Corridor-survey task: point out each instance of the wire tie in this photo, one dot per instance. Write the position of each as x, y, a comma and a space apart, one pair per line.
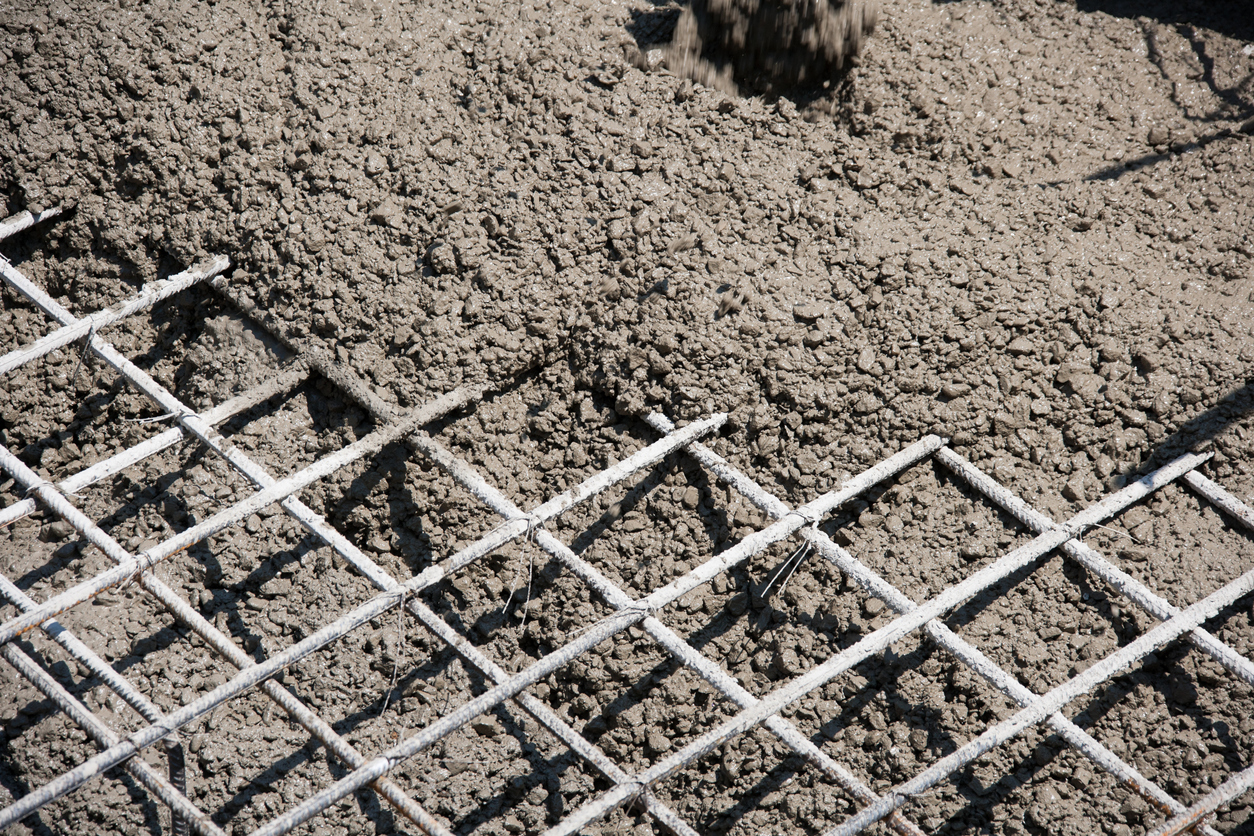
534, 524
153, 420
91, 335
640, 792
795, 559
630, 609
41, 483
808, 515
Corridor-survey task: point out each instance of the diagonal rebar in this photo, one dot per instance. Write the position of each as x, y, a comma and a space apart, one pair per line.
289, 377
152, 293
712, 673
373, 608
879, 640
1047, 704
876, 585
106, 737
25, 220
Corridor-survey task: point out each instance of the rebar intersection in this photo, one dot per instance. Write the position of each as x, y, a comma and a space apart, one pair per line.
753, 710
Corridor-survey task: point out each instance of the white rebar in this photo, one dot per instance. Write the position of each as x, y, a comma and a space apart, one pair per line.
468, 478
103, 671
187, 615
119, 684
629, 611
288, 377
299, 511
105, 737
590, 638
1043, 706
1228, 791
875, 585
316, 524
880, 640
25, 220
204, 432
1221, 499
129, 567
1121, 581
152, 293
373, 608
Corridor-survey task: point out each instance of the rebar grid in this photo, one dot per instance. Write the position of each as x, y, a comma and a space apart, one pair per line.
303, 514
287, 379
76, 329
377, 606
294, 373
805, 520
471, 480
876, 643
876, 585
258, 673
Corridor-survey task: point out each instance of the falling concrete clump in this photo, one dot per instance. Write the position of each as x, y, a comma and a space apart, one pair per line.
727, 44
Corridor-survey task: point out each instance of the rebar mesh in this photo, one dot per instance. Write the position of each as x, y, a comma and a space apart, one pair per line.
393, 426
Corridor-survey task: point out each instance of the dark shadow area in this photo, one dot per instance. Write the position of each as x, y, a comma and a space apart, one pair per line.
1113, 172
1200, 432
1234, 18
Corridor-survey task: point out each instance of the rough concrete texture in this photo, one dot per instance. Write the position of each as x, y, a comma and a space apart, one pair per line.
1024, 225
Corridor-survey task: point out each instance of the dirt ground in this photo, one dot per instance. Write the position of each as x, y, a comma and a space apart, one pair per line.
1026, 226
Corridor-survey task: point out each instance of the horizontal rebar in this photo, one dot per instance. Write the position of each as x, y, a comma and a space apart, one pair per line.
879, 640
545, 715
595, 634
519, 522
289, 377
1047, 704
470, 479
312, 723
151, 294
371, 609
203, 431
206, 434
119, 462
105, 737
25, 220
317, 525
103, 671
